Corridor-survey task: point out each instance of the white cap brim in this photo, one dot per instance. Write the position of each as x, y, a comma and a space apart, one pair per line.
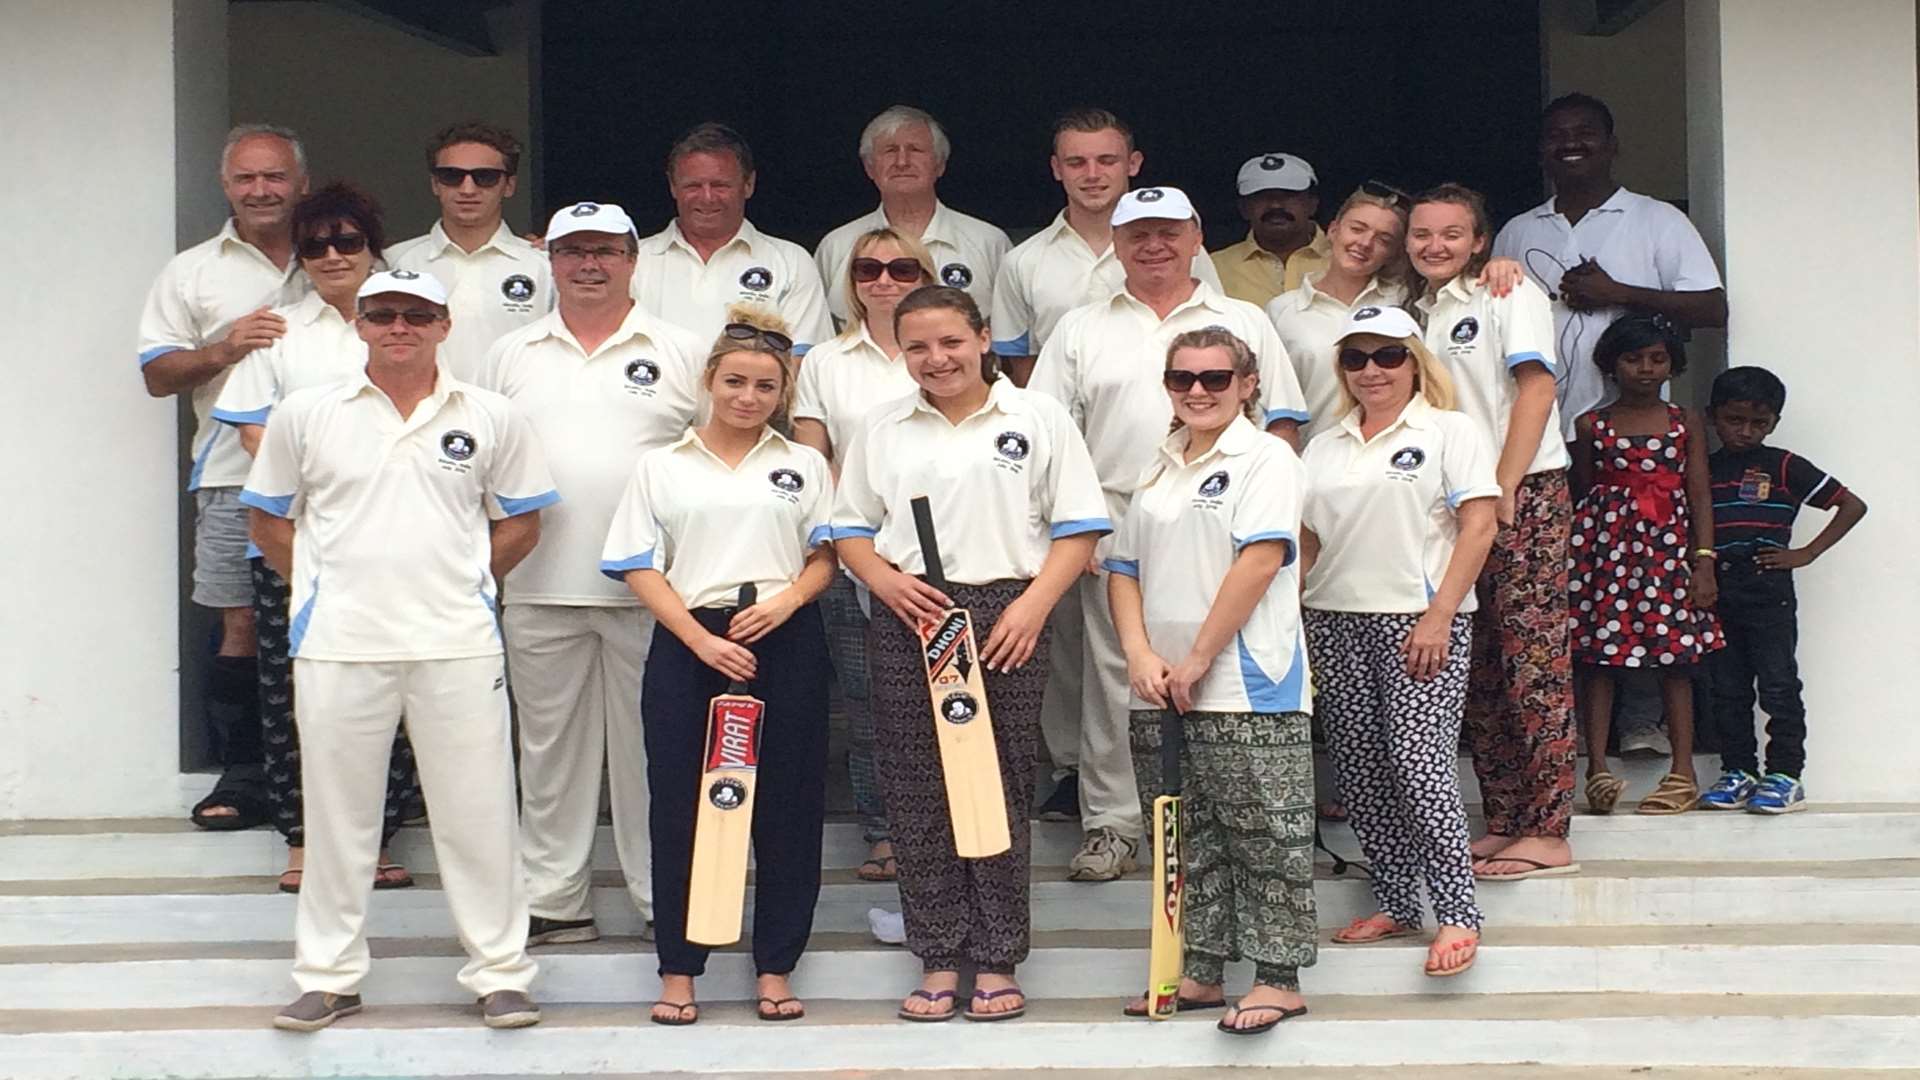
1383, 320
582, 217
410, 282
1154, 204
1276, 172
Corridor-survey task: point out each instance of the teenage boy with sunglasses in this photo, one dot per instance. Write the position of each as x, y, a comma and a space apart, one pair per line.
496, 281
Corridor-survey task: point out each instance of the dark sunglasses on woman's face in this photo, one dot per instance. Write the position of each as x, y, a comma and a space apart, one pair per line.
346, 243
448, 176
740, 331
1212, 381
414, 316
902, 270
1386, 357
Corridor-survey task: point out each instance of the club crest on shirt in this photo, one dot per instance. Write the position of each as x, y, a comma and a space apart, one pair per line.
1465, 330
959, 707
786, 483
517, 288
727, 793
643, 372
1215, 485
457, 445
1408, 458
757, 279
1012, 445
956, 275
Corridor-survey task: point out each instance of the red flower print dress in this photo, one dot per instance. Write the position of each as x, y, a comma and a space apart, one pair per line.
1631, 575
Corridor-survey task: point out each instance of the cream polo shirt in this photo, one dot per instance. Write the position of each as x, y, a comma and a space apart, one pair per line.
1385, 508
1482, 338
595, 415
711, 528
843, 380
491, 292
1104, 362
1309, 322
671, 281
966, 255
391, 550
1003, 484
319, 347
1185, 527
197, 296
1637, 240
1252, 273
1051, 273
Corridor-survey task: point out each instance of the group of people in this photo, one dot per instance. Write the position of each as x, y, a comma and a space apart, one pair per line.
1366, 483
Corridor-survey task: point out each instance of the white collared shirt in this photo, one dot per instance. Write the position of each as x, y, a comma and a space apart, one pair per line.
1309, 322
1104, 362
843, 380
1051, 273
1182, 532
1386, 509
1481, 338
670, 280
1637, 240
966, 254
391, 548
491, 292
320, 347
1003, 484
595, 415
711, 528
198, 295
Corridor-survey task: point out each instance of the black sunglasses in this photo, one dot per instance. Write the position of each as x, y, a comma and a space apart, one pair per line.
1380, 189
902, 270
349, 243
448, 176
1212, 381
1386, 357
414, 316
740, 331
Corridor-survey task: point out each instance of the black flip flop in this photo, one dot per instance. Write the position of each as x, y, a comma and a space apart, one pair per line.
1184, 1004
1261, 1029
929, 1018
776, 1015
680, 1017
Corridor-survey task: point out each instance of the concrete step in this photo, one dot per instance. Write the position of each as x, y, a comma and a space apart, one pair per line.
174, 848
1063, 964
1567, 1030
1605, 893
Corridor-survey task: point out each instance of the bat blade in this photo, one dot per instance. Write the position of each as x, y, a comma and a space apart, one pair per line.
1167, 935
963, 724
723, 824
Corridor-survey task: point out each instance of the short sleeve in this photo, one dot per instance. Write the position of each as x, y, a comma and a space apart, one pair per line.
1681, 256
633, 536
1123, 552
816, 519
1466, 461
1011, 321
1269, 506
805, 306
1074, 501
166, 321
1526, 327
273, 484
1507, 243
493, 368
518, 482
1053, 373
1815, 486
1279, 383
252, 388
1204, 269
858, 509
809, 398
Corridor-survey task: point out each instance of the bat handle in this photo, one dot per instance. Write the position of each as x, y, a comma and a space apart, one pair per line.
749, 596
1173, 736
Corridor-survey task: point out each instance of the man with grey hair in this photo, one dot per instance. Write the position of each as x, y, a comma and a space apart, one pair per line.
212, 305
904, 151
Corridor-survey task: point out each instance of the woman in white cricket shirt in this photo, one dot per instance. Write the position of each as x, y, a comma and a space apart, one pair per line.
1398, 521
733, 503
1016, 508
1500, 352
1205, 599
841, 381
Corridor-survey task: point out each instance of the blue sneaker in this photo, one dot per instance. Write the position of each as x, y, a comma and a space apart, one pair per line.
1778, 794
1731, 791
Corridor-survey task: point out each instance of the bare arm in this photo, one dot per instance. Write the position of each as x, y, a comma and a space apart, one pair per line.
513, 539
1428, 642
1525, 425
1845, 517
1699, 482
1582, 478
250, 436
751, 624
1018, 368
729, 659
183, 369
1309, 553
906, 596
1288, 430
1016, 633
1240, 591
1146, 670
274, 537
814, 433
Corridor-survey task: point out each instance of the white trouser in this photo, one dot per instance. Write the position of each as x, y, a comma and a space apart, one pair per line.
576, 684
456, 714
1060, 707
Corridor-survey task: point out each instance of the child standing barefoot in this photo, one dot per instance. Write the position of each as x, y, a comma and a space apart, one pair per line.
1642, 575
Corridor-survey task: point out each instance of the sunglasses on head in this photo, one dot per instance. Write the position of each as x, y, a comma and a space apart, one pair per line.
413, 316
1386, 357
902, 269
1212, 381
315, 247
448, 176
739, 331
1380, 189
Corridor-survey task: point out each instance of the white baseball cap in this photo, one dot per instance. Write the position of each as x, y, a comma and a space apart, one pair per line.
1158, 203
1276, 172
411, 282
589, 217
1390, 322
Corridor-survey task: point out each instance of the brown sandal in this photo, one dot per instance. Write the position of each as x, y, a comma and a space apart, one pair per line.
1675, 795
1372, 928
1603, 792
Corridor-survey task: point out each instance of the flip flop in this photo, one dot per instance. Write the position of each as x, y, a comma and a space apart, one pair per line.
1472, 945
1184, 1004
381, 881
1398, 930
880, 871
680, 1017
1281, 1015
776, 1015
1004, 1014
1538, 869
930, 996
293, 885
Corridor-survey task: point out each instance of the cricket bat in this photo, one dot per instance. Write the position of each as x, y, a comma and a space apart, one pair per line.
717, 884
976, 802
1169, 876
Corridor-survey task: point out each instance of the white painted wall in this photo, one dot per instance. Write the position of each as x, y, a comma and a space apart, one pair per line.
88, 692
1807, 171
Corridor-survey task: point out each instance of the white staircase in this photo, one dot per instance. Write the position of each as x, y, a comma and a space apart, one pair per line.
146, 949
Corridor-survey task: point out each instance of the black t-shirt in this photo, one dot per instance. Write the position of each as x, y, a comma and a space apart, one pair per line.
1756, 496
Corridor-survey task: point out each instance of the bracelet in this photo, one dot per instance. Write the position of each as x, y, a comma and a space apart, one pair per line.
1706, 553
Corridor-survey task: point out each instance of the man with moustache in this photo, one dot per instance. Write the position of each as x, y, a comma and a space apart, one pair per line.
212, 305
601, 381
1279, 194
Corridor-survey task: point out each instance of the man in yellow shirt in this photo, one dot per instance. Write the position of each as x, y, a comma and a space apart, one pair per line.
1279, 194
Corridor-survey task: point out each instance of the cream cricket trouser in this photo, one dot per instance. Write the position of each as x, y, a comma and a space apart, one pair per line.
456, 714
1060, 707
576, 683
1109, 796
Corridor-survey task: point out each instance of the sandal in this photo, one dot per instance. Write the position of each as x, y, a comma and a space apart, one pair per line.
932, 997
1534, 868
290, 880
392, 876
883, 869
1675, 795
1603, 791
1004, 1014
1280, 1015
1470, 945
680, 1017
246, 796
1372, 928
766, 1003
1332, 812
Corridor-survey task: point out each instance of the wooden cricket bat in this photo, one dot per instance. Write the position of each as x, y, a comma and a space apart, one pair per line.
976, 802
1169, 876
723, 825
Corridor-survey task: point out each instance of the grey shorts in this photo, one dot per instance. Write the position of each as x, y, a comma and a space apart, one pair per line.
221, 578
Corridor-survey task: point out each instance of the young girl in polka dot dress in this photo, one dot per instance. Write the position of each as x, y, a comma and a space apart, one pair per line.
1642, 559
